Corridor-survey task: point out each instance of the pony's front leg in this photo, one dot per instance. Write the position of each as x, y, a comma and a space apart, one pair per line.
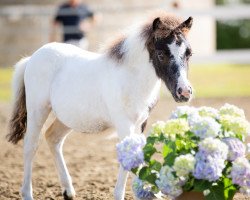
121, 184
124, 130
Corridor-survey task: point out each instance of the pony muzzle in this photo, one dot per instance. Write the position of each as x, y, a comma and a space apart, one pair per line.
184, 93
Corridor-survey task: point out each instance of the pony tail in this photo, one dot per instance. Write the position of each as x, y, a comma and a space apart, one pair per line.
18, 121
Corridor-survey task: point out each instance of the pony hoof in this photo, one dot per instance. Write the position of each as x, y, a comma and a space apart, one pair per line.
66, 196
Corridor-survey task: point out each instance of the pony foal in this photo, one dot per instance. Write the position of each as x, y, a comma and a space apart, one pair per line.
90, 92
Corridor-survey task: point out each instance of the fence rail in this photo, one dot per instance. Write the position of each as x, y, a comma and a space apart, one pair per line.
13, 13
218, 12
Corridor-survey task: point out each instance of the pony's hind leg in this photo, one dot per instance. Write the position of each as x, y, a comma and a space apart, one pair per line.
35, 121
55, 136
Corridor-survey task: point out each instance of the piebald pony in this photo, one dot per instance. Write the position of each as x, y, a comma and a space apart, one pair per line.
89, 92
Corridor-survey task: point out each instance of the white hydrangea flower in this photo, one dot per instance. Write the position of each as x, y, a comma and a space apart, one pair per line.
229, 134
204, 127
184, 164
206, 192
231, 110
175, 127
205, 111
236, 125
158, 128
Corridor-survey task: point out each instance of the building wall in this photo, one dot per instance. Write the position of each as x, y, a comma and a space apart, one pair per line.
25, 24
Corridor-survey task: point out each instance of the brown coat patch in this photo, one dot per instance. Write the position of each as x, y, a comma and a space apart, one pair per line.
18, 121
115, 50
170, 22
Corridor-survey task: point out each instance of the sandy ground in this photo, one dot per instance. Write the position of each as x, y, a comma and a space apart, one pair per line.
91, 158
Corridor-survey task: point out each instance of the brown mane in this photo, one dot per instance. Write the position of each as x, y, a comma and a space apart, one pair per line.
170, 21
115, 50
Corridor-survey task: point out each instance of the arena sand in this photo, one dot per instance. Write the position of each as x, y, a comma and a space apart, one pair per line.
91, 158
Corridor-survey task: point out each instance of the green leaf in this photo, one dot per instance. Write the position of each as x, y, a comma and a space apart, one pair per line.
148, 150
180, 144
166, 150
169, 152
189, 185
168, 147
185, 116
155, 165
169, 159
144, 173
216, 192
154, 189
151, 140
224, 190
151, 178
201, 185
134, 170
239, 136
229, 189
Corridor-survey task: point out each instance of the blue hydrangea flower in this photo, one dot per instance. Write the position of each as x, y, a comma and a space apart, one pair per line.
130, 151
213, 147
236, 148
181, 111
240, 172
208, 167
141, 190
205, 127
167, 183
210, 159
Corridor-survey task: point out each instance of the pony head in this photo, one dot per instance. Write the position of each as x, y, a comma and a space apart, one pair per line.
169, 53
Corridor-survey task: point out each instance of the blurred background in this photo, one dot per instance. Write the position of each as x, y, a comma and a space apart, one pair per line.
220, 36
219, 73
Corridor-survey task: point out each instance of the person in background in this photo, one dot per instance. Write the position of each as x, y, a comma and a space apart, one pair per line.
76, 20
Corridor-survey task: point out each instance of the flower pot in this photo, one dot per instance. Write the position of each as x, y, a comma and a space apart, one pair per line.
191, 196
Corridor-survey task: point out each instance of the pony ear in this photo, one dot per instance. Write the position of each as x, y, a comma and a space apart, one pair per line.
157, 23
186, 25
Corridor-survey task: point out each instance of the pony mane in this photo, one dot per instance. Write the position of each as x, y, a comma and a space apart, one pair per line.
117, 49
169, 20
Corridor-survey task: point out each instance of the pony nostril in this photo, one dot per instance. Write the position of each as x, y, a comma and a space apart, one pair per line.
179, 91
190, 90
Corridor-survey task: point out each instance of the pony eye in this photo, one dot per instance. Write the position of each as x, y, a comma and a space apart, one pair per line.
160, 56
188, 53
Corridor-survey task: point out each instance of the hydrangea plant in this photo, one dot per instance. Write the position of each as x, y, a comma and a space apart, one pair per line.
197, 149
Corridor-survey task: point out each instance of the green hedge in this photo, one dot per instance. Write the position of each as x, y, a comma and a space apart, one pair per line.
233, 34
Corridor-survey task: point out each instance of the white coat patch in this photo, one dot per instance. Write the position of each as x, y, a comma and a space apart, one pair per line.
177, 51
